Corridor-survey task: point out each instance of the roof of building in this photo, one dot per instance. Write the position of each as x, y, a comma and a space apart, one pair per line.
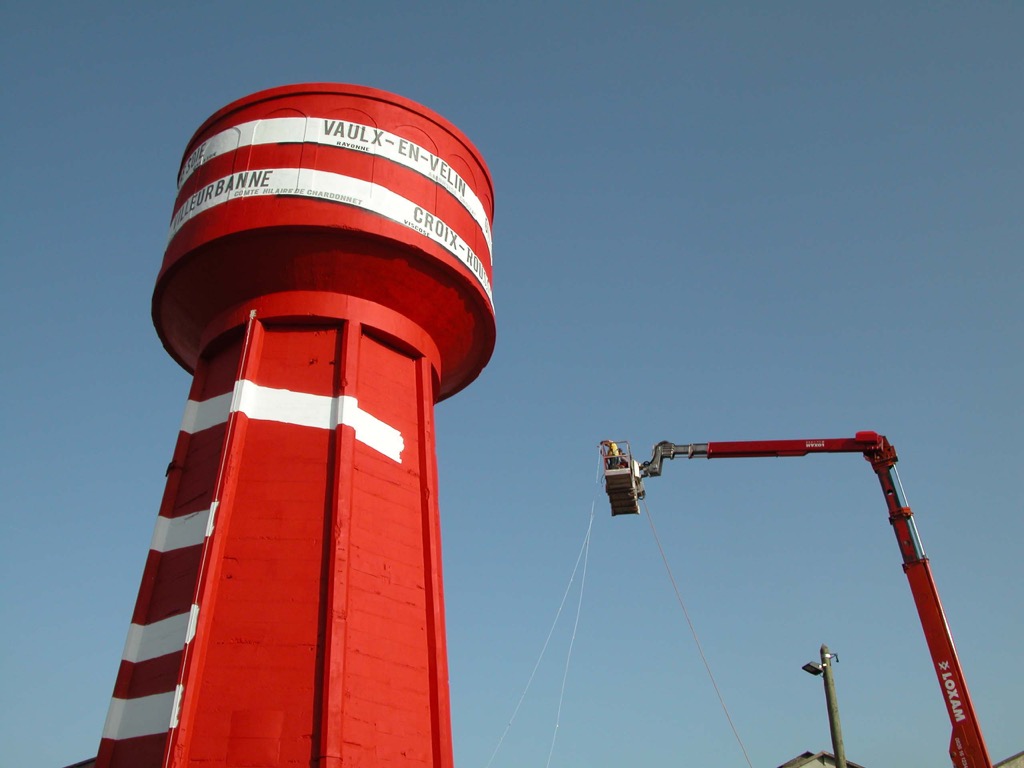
1014, 761
819, 758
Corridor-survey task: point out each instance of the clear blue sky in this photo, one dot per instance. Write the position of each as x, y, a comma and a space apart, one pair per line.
715, 221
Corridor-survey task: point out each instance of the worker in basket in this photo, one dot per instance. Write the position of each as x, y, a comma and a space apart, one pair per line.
613, 458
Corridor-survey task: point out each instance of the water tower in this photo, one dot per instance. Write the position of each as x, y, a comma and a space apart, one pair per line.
327, 280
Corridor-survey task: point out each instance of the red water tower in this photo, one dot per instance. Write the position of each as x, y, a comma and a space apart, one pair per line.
327, 280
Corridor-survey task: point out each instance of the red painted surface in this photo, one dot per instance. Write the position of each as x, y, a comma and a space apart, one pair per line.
317, 598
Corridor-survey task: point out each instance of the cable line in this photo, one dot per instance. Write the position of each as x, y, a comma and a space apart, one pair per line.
572, 641
696, 640
582, 556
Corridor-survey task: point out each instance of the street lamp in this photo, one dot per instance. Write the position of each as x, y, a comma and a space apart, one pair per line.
825, 670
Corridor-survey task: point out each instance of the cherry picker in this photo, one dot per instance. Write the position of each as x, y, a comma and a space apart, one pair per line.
624, 476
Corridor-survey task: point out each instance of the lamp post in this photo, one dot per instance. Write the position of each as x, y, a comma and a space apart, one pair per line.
825, 670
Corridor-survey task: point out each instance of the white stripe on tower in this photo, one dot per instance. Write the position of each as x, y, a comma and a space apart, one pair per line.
152, 641
144, 716
200, 415
178, 532
298, 408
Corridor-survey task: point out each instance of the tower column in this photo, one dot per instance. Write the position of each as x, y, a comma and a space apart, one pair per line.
292, 611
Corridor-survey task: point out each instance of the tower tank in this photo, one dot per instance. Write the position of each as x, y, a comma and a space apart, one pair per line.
327, 280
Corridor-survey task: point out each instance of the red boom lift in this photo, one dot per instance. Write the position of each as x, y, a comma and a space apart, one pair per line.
624, 485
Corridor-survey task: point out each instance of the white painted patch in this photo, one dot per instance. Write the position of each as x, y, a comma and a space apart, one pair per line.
200, 415
212, 517
144, 716
298, 408
283, 405
176, 706
151, 641
178, 532
369, 429
193, 620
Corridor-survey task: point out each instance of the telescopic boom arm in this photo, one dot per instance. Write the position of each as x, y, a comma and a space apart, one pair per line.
862, 443
967, 745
